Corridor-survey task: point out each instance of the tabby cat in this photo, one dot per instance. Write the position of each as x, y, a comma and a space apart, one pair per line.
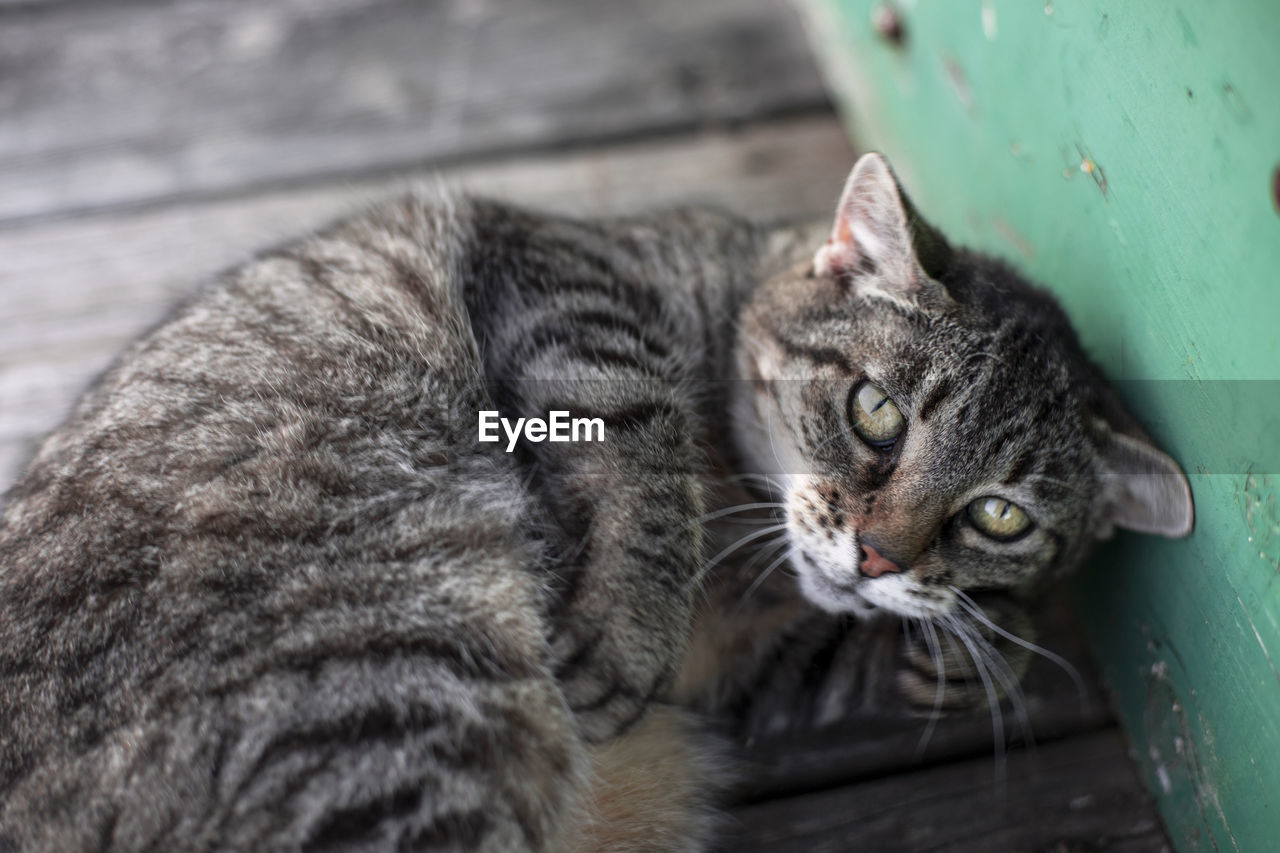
266, 590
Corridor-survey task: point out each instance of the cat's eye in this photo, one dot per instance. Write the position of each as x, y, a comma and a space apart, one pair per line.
998, 518
875, 418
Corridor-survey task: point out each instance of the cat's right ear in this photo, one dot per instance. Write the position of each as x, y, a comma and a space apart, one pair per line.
879, 234
1145, 490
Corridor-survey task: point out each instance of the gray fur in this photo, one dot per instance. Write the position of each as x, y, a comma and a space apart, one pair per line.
265, 590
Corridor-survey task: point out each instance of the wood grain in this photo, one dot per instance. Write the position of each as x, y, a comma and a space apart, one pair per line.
1068, 797
129, 103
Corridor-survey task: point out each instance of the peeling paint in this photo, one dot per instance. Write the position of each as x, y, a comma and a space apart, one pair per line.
1236, 105
1085, 164
959, 82
1262, 517
1162, 774
1188, 31
1258, 636
1093, 170
1179, 762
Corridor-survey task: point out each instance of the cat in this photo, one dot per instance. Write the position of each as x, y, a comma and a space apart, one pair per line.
266, 589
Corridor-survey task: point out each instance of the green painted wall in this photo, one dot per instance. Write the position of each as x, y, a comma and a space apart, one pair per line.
1125, 154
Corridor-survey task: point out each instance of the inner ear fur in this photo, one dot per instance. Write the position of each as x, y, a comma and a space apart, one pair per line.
878, 228
1145, 489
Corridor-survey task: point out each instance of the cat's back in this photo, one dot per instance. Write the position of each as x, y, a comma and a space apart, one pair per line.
347, 328
272, 502
273, 406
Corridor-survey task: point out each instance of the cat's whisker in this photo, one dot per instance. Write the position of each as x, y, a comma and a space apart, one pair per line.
1008, 679
773, 447
993, 699
755, 584
761, 483
733, 510
1003, 673
772, 486
1012, 686
726, 511
766, 551
702, 588
1065, 665
750, 537
750, 475
939, 664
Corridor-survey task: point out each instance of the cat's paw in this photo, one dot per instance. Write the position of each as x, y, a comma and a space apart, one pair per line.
965, 661
613, 663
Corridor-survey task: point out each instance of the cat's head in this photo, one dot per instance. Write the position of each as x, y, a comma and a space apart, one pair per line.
932, 420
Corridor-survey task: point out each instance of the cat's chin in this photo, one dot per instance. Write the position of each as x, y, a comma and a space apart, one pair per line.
898, 594
827, 594
861, 597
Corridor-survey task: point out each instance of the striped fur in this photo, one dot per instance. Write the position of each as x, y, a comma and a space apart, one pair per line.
265, 590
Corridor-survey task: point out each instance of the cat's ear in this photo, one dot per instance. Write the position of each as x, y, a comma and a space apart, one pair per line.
1145, 490
878, 231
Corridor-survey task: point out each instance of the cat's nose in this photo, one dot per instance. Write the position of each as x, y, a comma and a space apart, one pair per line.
873, 565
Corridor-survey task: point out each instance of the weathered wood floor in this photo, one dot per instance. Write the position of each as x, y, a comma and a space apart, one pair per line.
144, 145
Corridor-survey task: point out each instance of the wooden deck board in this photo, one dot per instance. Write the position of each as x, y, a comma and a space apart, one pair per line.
112, 103
1070, 796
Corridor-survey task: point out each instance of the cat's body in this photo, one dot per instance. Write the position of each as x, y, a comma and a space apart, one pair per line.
266, 590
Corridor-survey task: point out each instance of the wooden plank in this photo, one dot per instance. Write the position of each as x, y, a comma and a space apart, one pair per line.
1074, 795
72, 293
130, 103
1126, 155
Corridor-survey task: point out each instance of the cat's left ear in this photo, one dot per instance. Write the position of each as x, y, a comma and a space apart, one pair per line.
1145, 490
878, 236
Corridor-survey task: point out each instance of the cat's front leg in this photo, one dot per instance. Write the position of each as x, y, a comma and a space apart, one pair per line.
623, 590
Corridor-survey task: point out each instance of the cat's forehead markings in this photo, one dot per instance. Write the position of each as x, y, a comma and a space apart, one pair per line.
938, 390
822, 356
1019, 468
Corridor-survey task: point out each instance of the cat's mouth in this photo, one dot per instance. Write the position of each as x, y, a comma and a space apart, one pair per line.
862, 595
835, 596
839, 570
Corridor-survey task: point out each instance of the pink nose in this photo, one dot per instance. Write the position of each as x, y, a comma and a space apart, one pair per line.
873, 565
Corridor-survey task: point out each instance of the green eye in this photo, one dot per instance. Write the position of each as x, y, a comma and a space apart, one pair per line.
998, 518
876, 419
